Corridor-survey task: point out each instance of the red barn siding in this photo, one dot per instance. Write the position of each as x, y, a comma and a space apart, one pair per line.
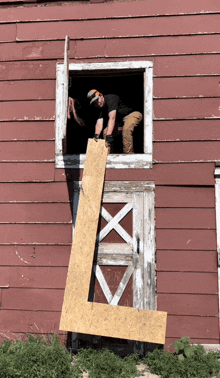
35, 228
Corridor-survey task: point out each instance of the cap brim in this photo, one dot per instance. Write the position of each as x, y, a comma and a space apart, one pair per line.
94, 99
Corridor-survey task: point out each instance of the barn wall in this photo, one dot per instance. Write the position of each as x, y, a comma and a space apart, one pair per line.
182, 39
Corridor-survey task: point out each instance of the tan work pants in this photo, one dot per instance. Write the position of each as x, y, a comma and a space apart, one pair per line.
131, 121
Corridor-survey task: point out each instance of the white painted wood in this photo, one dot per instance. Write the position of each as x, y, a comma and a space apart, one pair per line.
149, 252
138, 249
113, 223
65, 91
115, 248
121, 161
217, 213
148, 111
115, 260
103, 283
121, 186
117, 197
111, 65
113, 161
217, 209
121, 287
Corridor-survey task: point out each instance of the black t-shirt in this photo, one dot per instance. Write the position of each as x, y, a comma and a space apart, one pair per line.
113, 102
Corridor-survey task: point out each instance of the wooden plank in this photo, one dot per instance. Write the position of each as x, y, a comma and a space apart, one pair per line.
32, 299
150, 290
28, 110
186, 108
33, 51
34, 277
200, 305
187, 87
35, 234
36, 213
169, 174
127, 27
100, 11
185, 197
176, 45
7, 33
187, 283
34, 255
31, 70
186, 261
20, 172
138, 250
27, 151
202, 240
34, 192
189, 65
27, 90
30, 321
78, 315
186, 151
186, 130
193, 326
19, 131
115, 248
197, 174
186, 218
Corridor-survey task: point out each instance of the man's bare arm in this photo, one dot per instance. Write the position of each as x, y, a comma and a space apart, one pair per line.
111, 122
99, 126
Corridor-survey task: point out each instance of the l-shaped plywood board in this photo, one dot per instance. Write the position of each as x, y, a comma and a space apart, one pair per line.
79, 315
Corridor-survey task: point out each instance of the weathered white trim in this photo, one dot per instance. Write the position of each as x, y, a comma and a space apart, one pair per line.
217, 211
119, 161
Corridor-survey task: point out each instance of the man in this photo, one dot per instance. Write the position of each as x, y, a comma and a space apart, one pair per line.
112, 111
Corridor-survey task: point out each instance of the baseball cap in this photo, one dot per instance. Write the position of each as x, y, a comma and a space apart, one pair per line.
93, 95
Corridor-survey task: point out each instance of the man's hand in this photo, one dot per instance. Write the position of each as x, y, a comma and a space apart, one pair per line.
109, 140
96, 137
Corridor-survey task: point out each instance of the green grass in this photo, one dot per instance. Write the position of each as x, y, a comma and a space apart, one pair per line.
38, 358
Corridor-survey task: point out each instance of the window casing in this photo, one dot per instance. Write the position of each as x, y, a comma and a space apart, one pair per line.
145, 68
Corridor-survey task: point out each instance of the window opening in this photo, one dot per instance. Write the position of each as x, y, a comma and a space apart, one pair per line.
128, 86
132, 82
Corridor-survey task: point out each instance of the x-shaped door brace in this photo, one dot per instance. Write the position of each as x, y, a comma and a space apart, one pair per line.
113, 223
113, 300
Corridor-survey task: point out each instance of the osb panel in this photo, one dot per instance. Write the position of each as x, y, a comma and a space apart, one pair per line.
79, 315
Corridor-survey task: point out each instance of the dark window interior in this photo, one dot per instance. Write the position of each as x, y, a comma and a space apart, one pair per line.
129, 86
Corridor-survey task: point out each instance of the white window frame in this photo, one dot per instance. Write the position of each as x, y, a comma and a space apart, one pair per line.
117, 161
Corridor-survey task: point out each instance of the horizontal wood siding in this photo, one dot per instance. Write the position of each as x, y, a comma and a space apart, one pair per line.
182, 40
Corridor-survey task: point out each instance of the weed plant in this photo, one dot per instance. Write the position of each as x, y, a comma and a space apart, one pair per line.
35, 358
105, 364
189, 361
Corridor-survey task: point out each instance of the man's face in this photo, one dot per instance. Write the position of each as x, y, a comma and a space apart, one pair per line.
100, 102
